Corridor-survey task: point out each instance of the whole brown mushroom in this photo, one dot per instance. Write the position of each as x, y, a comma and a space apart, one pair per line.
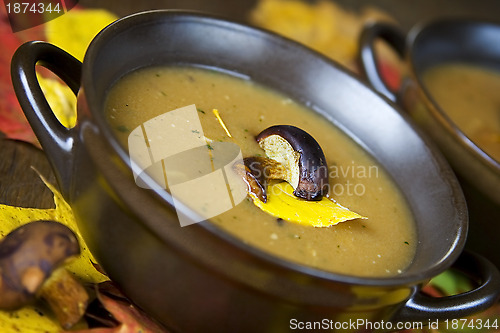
31, 259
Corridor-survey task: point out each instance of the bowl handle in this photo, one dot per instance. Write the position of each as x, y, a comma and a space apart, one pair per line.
57, 141
424, 308
368, 56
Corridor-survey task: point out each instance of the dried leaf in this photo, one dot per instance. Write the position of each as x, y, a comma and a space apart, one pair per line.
61, 99
33, 318
451, 283
13, 217
12, 120
283, 204
74, 30
322, 25
130, 318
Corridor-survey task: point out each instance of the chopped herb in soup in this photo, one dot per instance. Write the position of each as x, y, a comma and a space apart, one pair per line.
381, 245
470, 96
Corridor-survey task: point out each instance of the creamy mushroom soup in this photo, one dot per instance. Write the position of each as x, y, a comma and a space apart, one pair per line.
381, 245
470, 96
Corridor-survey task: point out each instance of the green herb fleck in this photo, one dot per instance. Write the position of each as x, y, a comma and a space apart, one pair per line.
195, 131
407, 243
210, 147
123, 129
200, 111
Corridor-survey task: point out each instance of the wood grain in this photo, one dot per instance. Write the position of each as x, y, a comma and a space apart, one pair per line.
20, 184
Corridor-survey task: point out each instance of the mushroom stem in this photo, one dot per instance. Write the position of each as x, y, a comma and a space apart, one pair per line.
257, 171
66, 297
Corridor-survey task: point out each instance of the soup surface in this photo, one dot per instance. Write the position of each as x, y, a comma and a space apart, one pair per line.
382, 245
470, 96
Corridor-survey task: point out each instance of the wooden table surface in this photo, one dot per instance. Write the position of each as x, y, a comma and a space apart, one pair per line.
20, 185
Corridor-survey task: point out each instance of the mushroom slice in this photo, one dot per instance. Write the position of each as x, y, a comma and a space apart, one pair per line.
302, 157
256, 171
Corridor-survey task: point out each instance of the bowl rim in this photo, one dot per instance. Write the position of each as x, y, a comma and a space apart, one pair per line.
393, 281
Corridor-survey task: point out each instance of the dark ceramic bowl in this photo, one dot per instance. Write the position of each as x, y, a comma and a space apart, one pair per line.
199, 278
427, 45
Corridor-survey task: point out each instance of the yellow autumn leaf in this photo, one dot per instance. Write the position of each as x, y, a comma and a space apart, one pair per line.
61, 99
322, 25
33, 318
74, 30
13, 217
283, 204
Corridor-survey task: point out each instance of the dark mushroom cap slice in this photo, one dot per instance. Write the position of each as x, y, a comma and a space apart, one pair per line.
28, 256
301, 155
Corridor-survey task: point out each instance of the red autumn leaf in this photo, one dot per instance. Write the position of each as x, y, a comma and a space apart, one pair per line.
390, 74
12, 120
432, 291
126, 317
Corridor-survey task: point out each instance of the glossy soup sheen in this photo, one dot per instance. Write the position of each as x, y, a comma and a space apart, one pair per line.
382, 245
470, 96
